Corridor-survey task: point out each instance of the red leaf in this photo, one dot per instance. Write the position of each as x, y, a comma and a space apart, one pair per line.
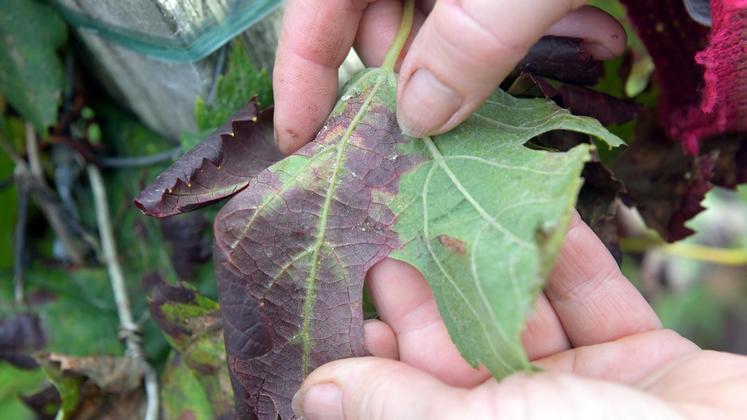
703, 94
218, 167
579, 100
563, 59
293, 248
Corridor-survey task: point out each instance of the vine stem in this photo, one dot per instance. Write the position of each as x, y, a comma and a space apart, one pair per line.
128, 325
405, 27
723, 256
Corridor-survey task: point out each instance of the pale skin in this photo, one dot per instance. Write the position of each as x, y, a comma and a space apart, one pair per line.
602, 347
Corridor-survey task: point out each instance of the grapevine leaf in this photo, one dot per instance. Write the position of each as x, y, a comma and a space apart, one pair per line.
563, 59
30, 72
185, 235
44, 403
240, 82
236, 87
192, 325
292, 249
579, 100
182, 394
483, 217
597, 205
217, 168
667, 185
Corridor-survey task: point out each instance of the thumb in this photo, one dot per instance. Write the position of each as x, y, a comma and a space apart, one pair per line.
378, 389
371, 388
462, 52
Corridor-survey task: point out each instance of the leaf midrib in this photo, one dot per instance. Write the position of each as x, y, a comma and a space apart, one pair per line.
308, 306
441, 162
447, 276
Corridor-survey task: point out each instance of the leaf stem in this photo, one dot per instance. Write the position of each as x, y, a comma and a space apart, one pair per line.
723, 256
405, 26
116, 277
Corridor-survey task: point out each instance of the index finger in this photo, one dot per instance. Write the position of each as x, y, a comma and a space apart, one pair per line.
316, 37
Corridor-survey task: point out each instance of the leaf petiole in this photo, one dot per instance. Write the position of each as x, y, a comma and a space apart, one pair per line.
405, 26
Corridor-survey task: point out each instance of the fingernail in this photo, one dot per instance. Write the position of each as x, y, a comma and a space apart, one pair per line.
598, 51
319, 402
426, 104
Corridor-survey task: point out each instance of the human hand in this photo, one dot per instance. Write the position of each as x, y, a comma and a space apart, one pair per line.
458, 54
600, 344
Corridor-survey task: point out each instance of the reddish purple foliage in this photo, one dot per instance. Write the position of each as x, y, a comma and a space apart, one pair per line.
220, 166
562, 59
291, 282
19, 337
580, 100
186, 236
703, 93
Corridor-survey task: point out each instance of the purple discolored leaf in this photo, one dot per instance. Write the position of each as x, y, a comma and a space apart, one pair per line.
218, 167
192, 325
44, 403
597, 205
579, 100
185, 234
293, 248
19, 337
668, 184
183, 314
563, 59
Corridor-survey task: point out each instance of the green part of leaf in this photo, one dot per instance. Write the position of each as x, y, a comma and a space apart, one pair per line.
483, 218
80, 316
182, 393
69, 389
191, 323
203, 306
31, 76
13, 383
234, 89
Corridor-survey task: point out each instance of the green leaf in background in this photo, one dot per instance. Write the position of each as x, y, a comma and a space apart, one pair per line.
240, 83
197, 367
182, 394
695, 313
483, 217
31, 77
8, 197
15, 382
79, 312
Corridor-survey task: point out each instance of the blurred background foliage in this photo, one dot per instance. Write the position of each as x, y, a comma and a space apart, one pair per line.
56, 121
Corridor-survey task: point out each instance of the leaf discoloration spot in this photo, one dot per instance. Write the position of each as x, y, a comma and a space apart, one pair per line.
453, 244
